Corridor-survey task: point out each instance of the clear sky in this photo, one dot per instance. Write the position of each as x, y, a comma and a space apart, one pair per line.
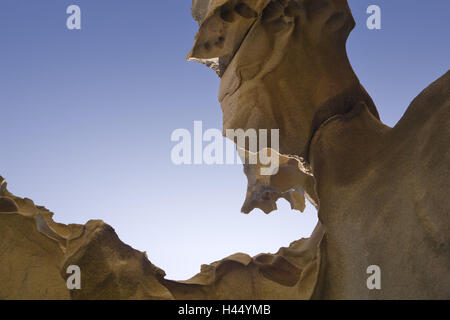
86, 118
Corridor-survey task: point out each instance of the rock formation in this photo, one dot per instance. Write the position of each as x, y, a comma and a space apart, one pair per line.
36, 252
381, 192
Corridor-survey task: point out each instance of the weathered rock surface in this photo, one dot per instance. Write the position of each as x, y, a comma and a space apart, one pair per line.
382, 193
290, 274
30, 261
36, 252
290, 183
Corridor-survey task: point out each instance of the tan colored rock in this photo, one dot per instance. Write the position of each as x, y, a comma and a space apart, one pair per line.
36, 251
30, 261
223, 26
7, 205
383, 200
3, 185
382, 192
111, 269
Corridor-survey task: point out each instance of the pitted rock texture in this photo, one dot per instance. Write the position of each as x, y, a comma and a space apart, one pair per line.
381, 192
36, 253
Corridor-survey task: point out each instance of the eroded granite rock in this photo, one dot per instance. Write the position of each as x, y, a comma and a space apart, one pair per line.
382, 193
36, 253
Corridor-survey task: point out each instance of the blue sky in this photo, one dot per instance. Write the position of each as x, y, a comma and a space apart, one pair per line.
87, 117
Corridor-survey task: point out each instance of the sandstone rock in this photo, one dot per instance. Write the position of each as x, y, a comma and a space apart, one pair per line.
3, 185
35, 252
31, 262
382, 193
110, 268
7, 205
223, 26
290, 183
291, 273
